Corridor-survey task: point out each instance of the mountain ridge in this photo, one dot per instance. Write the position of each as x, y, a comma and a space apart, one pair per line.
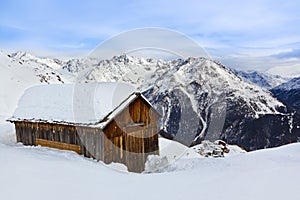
262, 79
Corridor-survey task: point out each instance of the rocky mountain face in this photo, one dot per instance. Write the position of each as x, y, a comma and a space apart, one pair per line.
201, 99
289, 93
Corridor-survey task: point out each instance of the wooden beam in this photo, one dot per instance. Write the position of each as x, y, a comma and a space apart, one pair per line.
58, 145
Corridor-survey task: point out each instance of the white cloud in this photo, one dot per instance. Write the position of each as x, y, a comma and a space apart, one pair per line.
292, 70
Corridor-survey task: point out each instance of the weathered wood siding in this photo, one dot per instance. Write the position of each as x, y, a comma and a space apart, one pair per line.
89, 140
129, 138
26, 132
129, 143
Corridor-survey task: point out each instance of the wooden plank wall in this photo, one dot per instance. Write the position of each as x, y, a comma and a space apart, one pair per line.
88, 140
26, 132
91, 144
131, 145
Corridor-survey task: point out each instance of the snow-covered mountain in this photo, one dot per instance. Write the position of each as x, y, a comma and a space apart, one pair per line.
19, 71
293, 84
26, 57
136, 71
289, 93
264, 80
198, 98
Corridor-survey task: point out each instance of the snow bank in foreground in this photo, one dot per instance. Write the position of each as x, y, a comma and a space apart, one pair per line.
174, 150
35, 173
7, 132
169, 152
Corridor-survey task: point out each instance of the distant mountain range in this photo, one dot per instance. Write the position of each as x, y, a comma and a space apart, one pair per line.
198, 98
264, 80
289, 93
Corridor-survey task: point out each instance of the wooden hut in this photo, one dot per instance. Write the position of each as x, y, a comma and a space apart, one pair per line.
105, 121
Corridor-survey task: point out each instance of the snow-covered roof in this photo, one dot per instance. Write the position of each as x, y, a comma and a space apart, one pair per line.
78, 104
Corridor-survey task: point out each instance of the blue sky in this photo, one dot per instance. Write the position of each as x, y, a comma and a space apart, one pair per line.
256, 34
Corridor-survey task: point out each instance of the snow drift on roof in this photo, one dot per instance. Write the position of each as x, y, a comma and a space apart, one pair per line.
71, 103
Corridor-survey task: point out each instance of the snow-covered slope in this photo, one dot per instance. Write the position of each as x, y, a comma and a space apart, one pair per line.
35, 172
174, 150
26, 57
48, 70
264, 80
20, 71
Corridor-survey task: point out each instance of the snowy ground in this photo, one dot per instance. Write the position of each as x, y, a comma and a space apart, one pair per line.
42, 173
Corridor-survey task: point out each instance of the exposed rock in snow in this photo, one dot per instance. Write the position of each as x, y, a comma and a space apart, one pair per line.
217, 149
